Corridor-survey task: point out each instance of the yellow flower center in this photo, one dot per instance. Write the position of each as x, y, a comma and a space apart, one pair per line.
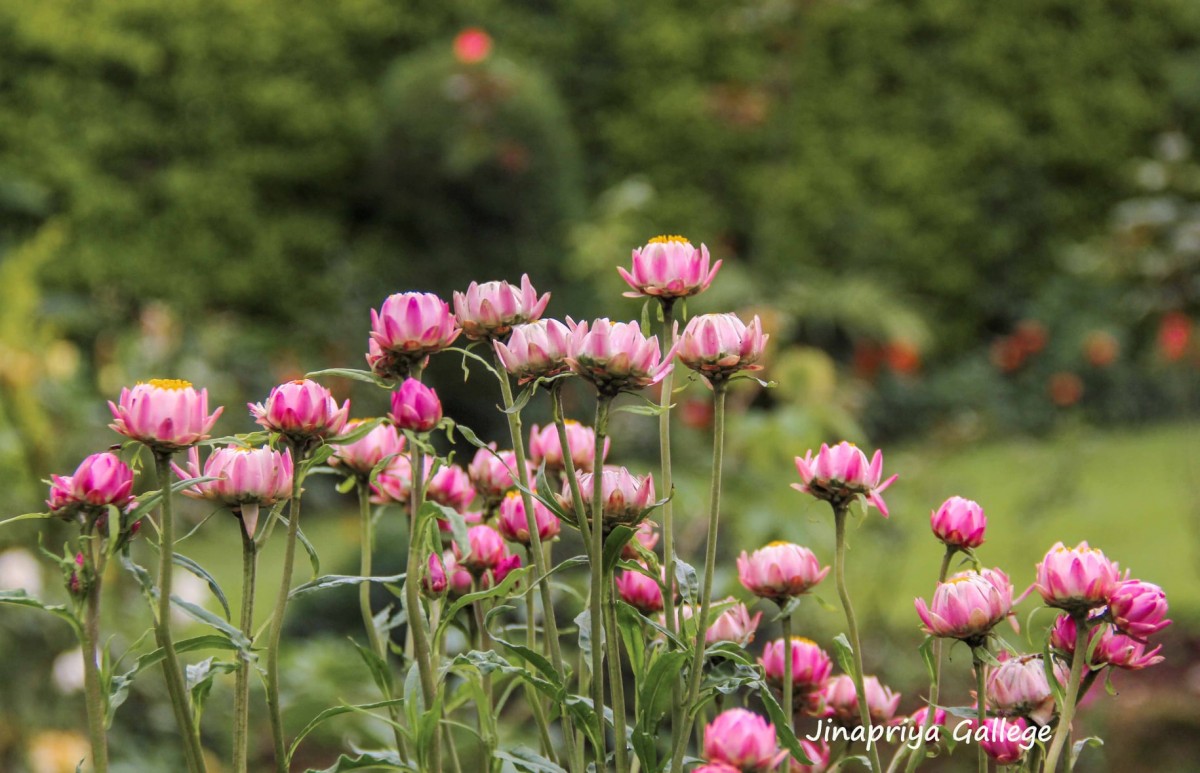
804, 640
571, 423
663, 239
778, 543
174, 384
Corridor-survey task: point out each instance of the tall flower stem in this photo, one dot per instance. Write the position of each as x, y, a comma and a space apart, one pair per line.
535, 546
981, 706
596, 562
274, 707
918, 754
417, 623
377, 643
710, 561
665, 476
788, 708
90, 642
612, 643
531, 694
172, 671
1067, 710
241, 690
839, 569
483, 643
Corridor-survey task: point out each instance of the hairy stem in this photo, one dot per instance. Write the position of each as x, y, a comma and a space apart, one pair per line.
241, 690
1067, 710
412, 596
668, 508
710, 561
596, 561
981, 708
90, 642
935, 683
839, 561
612, 642
788, 708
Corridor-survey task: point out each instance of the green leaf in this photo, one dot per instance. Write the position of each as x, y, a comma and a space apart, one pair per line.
614, 543
25, 517
381, 760
747, 377
119, 688
788, 608
359, 432
380, 673
687, 581
629, 621
524, 759
654, 701
845, 655
458, 525
783, 725
195, 568
336, 580
927, 655
464, 601
22, 599
365, 376
313, 559
984, 655
1080, 745
202, 615
521, 401
200, 681
335, 711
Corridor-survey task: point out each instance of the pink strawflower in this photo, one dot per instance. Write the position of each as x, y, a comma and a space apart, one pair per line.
535, 350
449, 486
1125, 652
841, 700
640, 592
361, 456
493, 474
302, 410
546, 448
487, 550
514, 526
840, 473
719, 345
780, 571
101, 480
742, 739
810, 665
246, 479
734, 625
407, 329
165, 414
415, 407
716, 767
1001, 739
472, 45
1076, 578
1018, 688
968, 605
393, 484
820, 755
615, 356
491, 309
1139, 609
62, 498
669, 267
435, 583
959, 523
646, 536
917, 718
1062, 633
459, 579
625, 497
509, 563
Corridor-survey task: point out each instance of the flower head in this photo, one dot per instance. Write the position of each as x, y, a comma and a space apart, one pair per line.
546, 448
491, 309
246, 479
625, 498
719, 345
811, 666
733, 625
1018, 688
415, 407
393, 484
959, 523
645, 536
493, 474
967, 605
459, 579
639, 591
1138, 609
669, 267
301, 410
513, 524
435, 583
535, 350
841, 700
840, 473
449, 486
780, 571
361, 456
615, 357
1077, 578
1001, 739
742, 739
1124, 652
407, 329
487, 550
165, 414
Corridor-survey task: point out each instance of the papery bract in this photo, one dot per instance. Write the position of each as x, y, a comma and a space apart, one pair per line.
545, 447
741, 738
487, 550
459, 579
101, 480
625, 497
959, 523
415, 407
449, 486
811, 666
165, 414
735, 625
838, 474
393, 484
491, 309
261, 476
535, 350
640, 592
514, 526
967, 605
720, 345
435, 583
780, 570
1018, 688
1001, 739
1125, 652
1138, 608
361, 456
615, 357
493, 473
301, 410
819, 753
669, 267
1077, 578
841, 700
407, 329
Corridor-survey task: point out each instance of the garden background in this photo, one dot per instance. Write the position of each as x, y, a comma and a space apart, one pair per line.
972, 231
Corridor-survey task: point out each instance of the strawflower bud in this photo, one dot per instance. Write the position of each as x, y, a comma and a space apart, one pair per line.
361, 456
302, 411
1137, 608
811, 666
780, 571
719, 345
615, 357
491, 309
640, 592
742, 739
493, 473
164, 414
840, 473
968, 605
669, 267
415, 407
514, 526
959, 523
733, 625
625, 497
545, 447
1076, 579
1018, 688
406, 330
535, 350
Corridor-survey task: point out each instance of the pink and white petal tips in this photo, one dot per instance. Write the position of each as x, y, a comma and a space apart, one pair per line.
493, 474
101, 480
640, 591
625, 497
449, 486
165, 414
742, 739
361, 456
1124, 652
735, 624
513, 524
616, 357
1138, 609
260, 476
959, 523
406, 329
780, 571
669, 267
491, 309
1018, 688
535, 350
545, 446
837, 474
968, 605
415, 407
301, 410
1076, 579
841, 700
719, 345
811, 665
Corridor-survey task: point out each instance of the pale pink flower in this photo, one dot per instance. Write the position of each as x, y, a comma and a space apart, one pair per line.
415, 407
1139, 609
841, 700
741, 738
1018, 688
487, 550
720, 345
62, 498
811, 666
393, 484
959, 523
407, 329
669, 267
639, 591
967, 605
780, 571
449, 486
246, 479
1076, 578
165, 414
1125, 652
493, 474
361, 456
491, 309
514, 526
616, 357
625, 497
301, 410
735, 625
1063, 635
545, 446
435, 583
645, 535
1001, 738
459, 579
839, 473
820, 755
99, 480
535, 350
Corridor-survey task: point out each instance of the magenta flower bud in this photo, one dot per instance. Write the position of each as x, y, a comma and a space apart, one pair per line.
459, 579
643, 593
810, 665
959, 523
544, 446
968, 605
625, 497
487, 550
917, 719
669, 267
504, 566
361, 456
840, 473
615, 357
1018, 688
393, 484
1138, 608
246, 479
1076, 578
1062, 633
514, 526
415, 407
841, 700
165, 414
646, 536
734, 625
491, 309
301, 410
1001, 739
435, 583
407, 329
1125, 652
62, 499
780, 571
101, 480
719, 345
819, 753
494, 474
449, 486
742, 739
535, 350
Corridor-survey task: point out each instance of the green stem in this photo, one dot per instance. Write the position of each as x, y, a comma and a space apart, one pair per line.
412, 595
935, 683
531, 693
275, 635
535, 546
839, 570
484, 644
612, 643
90, 642
596, 560
710, 561
172, 671
241, 692
668, 508
788, 706
1067, 710
981, 708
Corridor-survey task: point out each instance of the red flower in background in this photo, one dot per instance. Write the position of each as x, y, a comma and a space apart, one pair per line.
472, 45
1174, 335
